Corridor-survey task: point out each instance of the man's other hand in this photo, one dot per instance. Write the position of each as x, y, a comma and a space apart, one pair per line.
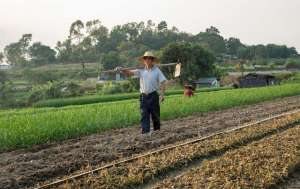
118, 68
161, 98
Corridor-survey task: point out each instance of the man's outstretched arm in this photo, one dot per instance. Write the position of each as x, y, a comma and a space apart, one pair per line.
126, 72
162, 89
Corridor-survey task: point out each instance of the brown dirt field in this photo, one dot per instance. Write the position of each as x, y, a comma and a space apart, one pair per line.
292, 182
27, 167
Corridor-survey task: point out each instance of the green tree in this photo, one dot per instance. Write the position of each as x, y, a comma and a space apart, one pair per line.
18, 53
243, 53
76, 36
261, 52
1, 57
6, 90
64, 51
213, 30
232, 45
96, 41
128, 51
196, 61
76, 31
132, 31
293, 52
3, 77
212, 40
150, 25
39, 77
41, 54
111, 60
266, 51
292, 64
14, 54
162, 26
88, 42
117, 35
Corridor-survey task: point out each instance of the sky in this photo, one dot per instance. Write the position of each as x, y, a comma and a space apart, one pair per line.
253, 21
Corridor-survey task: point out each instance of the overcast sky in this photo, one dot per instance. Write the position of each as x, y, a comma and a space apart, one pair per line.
253, 21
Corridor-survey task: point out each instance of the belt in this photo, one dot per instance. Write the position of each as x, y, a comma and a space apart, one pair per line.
149, 94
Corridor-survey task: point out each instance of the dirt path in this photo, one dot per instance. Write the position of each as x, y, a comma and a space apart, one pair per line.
27, 167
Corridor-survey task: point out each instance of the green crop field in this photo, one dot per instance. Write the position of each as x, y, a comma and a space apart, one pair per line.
27, 127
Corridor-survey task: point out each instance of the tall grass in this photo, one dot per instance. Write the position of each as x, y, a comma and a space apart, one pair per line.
29, 127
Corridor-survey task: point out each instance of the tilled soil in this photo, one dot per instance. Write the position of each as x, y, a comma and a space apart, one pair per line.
292, 182
26, 167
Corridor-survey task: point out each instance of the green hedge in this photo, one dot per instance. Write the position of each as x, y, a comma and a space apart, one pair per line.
60, 102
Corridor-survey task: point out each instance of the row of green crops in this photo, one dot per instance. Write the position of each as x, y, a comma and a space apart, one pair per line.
60, 102
27, 111
52, 124
105, 98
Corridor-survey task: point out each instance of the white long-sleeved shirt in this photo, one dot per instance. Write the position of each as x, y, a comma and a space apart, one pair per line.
150, 79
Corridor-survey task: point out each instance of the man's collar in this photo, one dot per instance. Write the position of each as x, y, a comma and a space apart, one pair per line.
153, 66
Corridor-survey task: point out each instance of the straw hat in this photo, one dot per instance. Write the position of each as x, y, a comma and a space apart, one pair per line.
149, 54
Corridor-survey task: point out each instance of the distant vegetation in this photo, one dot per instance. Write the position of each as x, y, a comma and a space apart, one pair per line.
40, 72
93, 42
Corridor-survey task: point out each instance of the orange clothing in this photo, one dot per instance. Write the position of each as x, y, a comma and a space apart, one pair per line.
188, 92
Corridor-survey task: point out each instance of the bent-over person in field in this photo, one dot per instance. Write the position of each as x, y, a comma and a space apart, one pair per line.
152, 88
188, 90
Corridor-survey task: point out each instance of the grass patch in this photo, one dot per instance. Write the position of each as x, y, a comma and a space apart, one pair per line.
60, 102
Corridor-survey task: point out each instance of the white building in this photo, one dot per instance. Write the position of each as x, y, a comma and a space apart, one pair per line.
4, 66
207, 82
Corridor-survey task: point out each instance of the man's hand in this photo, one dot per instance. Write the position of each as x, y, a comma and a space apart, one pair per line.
118, 68
162, 91
161, 98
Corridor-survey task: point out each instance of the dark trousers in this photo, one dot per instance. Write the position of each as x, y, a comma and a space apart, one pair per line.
149, 105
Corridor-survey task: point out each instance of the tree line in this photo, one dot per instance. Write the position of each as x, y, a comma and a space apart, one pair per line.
93, 42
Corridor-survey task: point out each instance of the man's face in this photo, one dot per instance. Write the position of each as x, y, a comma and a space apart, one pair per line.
148, 61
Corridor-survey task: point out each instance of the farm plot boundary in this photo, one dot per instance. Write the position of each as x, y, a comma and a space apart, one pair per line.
26, 130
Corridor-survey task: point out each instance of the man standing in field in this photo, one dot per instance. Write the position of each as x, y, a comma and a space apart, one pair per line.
152, 88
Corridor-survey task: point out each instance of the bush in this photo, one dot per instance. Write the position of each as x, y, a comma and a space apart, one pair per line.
219, 73
111, 88
278, 62
114, 87
129, 86
272, 66
54, 90
3, 77
284, 76
292, 64
37, 93
71, 89
6, 91
42, 92
135, 83
6, 95
40, 77
99, 87
260, 62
